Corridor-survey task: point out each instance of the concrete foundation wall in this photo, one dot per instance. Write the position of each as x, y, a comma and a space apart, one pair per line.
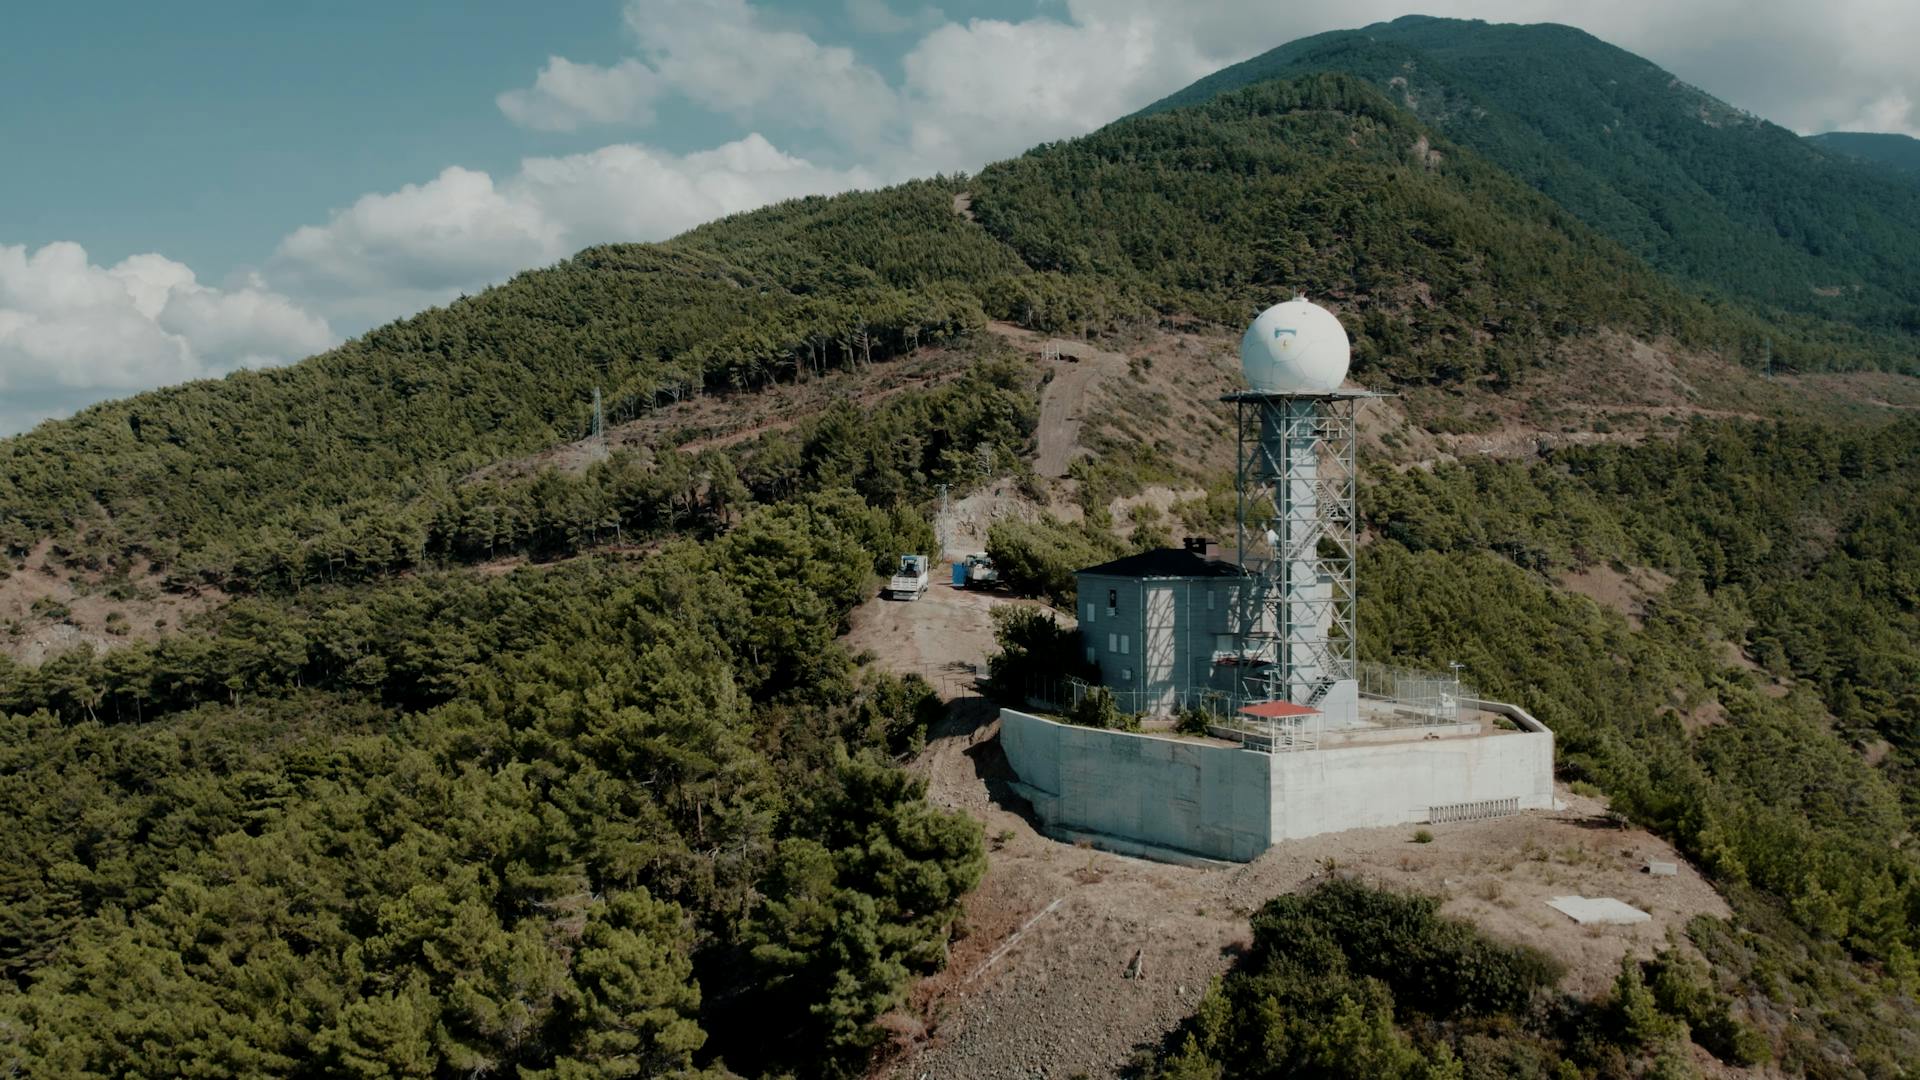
1188, 796
1230, 803
1352, 787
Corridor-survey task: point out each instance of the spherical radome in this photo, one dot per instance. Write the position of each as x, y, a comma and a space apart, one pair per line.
1297, 347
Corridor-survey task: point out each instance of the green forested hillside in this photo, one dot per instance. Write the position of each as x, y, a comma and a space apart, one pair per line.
1448, 270
640, 814
1347, 981
1898, 152
573, 821
292, 455
1693, 185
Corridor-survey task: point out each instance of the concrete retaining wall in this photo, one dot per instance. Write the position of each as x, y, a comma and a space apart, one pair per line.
1351, 787
1188, 796
1229, 803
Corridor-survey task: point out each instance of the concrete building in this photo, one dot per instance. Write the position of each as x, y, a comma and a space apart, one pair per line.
1164, 625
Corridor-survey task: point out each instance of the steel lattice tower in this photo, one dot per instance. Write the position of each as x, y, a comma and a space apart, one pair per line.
1298, 534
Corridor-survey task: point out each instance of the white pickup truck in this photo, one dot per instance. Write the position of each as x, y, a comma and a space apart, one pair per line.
910, 583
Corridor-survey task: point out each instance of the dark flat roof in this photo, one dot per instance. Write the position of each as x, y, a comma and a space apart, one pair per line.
1164, 562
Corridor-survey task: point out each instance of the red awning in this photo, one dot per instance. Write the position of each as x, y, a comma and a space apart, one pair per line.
1277, 710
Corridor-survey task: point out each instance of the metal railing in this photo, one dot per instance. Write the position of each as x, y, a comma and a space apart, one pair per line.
1391, 697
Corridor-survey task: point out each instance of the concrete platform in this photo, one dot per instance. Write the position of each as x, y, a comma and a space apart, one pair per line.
1225, 801
1598, 910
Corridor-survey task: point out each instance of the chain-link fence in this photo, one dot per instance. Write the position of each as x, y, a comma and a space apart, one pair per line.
1412, 696
1390, 697
1064, 693
954, 680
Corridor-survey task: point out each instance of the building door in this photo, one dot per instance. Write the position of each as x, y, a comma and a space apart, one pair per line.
1159, 649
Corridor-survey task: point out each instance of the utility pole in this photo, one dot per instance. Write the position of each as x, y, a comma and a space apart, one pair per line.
597, 442
944, 529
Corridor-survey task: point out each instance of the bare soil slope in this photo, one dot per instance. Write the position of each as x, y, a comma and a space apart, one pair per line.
47, 608
1075, 367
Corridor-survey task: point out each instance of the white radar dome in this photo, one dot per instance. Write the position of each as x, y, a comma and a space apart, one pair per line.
1297, 347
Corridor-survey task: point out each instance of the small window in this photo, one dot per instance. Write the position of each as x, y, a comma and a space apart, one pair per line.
1113, 601
1123, 644
1113, 643
1126, 675
1089, 611
1093, 655
1209, 599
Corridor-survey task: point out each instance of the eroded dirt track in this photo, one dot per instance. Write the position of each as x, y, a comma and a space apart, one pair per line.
1063, 401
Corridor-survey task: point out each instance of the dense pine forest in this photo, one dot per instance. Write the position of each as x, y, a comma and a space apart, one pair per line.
1901, 153
633, 809
1693, 185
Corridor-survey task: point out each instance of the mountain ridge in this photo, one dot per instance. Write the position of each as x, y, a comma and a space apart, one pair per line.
1898, 152
1700, 188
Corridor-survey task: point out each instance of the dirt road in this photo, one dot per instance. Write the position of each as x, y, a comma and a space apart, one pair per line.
1064, 399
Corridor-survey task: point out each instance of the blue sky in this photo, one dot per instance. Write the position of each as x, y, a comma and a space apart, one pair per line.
205, 130
190, 188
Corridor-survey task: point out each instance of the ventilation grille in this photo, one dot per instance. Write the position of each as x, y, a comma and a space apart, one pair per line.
1473, 811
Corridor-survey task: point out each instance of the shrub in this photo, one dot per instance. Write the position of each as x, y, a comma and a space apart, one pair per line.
1033, 647
1193, 721
1039, 557
1097, 709
48, 607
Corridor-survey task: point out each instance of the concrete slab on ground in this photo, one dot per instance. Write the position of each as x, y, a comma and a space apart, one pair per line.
1598, 911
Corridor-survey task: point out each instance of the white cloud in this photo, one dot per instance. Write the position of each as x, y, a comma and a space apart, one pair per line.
449, 232
720, 54
72, 331
723, 55
972, 93
566, 96
389, 254
878, 17
1894, 112
990, 89
628, 192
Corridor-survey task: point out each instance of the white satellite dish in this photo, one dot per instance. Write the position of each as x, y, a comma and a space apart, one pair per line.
1297, 347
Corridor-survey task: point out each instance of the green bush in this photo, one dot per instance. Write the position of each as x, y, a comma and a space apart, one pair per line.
1339, 979
1098, 709
1193, 721
1040, 557
1035, 651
